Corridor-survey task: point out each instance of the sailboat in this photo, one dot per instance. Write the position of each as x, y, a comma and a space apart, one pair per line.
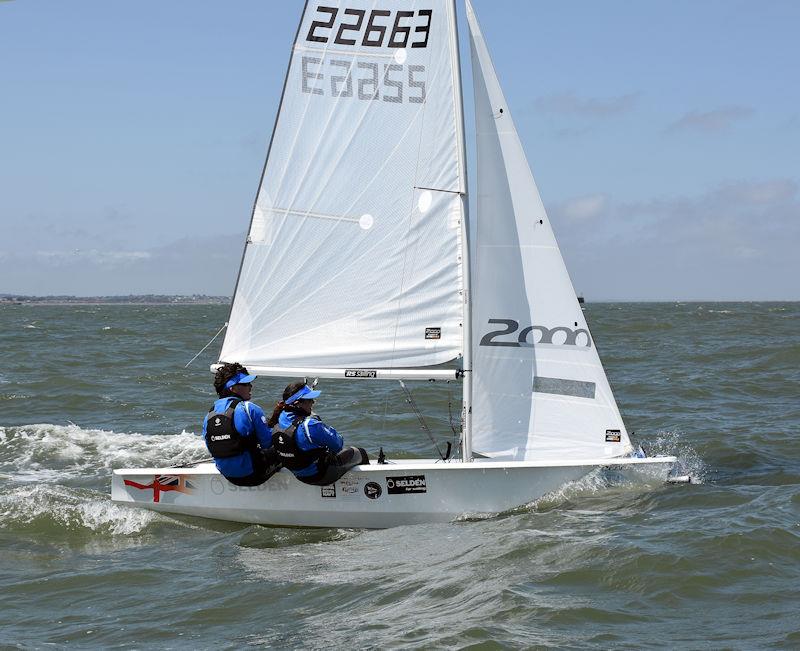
362, 264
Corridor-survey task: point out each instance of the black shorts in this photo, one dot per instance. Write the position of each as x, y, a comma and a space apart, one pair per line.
333, 466
265, 464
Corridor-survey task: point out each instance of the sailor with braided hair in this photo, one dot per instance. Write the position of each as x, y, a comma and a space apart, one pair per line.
236, 431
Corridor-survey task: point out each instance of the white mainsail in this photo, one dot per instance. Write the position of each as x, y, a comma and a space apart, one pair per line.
539, 389
353, 258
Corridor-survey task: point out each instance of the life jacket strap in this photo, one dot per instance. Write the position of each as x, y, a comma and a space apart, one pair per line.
222, 438
292, 457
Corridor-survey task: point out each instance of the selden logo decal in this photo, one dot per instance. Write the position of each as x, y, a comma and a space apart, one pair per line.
613, 436
407, 484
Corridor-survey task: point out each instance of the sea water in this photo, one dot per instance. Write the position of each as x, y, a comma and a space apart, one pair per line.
600, 564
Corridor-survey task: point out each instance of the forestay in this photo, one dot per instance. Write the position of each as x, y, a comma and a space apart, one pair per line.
539, 389
353, 254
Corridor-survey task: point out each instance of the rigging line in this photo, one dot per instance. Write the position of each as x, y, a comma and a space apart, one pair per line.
419, 187
225, 325
423, 424
456, 442
450, 409
193, 464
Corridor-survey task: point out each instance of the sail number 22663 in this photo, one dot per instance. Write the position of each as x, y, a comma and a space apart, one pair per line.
403, 29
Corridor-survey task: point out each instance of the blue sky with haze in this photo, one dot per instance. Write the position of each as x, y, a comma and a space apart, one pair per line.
664, 138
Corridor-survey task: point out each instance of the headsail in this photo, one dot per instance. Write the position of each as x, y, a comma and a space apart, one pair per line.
539, 389
353, 255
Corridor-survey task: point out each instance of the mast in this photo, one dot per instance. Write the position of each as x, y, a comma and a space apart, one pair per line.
466, 443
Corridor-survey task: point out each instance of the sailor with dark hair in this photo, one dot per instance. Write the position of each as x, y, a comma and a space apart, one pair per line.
236, 431
312, 450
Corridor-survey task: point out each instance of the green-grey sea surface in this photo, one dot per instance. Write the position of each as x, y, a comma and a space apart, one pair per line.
600, 565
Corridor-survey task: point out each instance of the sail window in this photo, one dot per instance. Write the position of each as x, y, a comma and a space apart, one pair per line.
366, 221
562, 387
425, 201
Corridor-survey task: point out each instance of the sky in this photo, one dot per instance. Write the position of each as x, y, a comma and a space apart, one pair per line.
664, 136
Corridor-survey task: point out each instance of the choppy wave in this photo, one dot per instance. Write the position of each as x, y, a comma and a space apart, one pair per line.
675, 444
606, 562
45, 508
56, 477
69, 453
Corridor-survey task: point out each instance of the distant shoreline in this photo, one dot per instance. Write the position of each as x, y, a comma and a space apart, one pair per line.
201, 299
133, 299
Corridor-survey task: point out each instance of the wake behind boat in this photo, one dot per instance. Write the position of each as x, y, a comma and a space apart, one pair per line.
362, 211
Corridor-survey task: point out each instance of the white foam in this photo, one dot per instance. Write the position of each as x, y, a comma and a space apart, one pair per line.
52, 453
589, 484
633, 480
672, 444
71, 509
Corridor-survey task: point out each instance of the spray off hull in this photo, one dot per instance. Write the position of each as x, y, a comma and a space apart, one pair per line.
374, 496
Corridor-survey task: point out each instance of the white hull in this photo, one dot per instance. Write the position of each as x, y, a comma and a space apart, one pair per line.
374, 496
